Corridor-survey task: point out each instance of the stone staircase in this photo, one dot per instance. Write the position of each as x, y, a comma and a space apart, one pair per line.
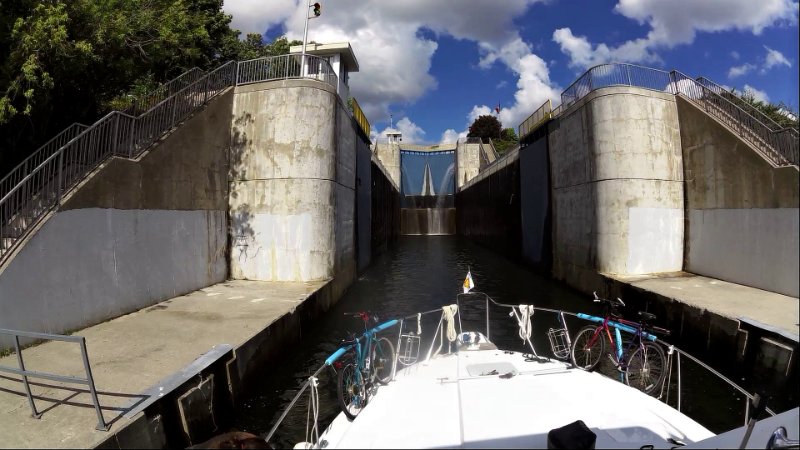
34, 187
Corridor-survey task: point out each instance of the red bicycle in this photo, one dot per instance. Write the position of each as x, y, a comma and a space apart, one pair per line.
642, 361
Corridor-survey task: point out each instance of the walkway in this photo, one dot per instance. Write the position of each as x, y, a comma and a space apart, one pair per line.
768, 310
131, 353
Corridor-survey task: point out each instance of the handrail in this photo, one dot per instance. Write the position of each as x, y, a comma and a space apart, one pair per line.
438, 330
13, 177
88, 381
361, 119
780, 150
148, 100
39, 187
670, 348
538, 117
327, 363
7, 182
285, 67
780, 147
737, 100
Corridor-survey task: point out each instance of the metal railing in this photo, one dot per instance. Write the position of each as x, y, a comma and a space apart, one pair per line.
285, 67
738, 101
666, 387
438, 339
616, 74
25, 374
541, 115
40, 182
780, 147
147, 101
361, 119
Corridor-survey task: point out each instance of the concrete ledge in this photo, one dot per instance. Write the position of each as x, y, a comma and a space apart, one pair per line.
736, 329
132, 354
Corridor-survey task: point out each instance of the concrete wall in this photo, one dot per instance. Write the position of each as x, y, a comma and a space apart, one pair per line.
134, 234
742, 213
488, 207
617, 183
384, 210
389, 156
363, 205
293, 175
468, 159
534, 173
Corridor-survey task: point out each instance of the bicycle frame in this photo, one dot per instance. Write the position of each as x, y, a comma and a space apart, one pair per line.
360, 355
621, 325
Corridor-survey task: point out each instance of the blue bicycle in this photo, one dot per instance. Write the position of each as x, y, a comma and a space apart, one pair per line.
362, 366
641, 361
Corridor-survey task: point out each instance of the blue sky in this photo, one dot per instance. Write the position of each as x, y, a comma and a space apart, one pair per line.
435, 65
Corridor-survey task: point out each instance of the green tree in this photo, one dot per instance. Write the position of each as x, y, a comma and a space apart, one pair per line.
74, 60
508, 140
781, 113
485, 127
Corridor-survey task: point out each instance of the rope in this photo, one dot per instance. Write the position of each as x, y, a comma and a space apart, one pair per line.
449, 313
419, 324
525, 327
312, 435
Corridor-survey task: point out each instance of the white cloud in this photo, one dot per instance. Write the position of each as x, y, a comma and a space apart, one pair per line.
411, 132
584, 54
735, 55
395, 41
673, 23
251, 16
451, 136
774, 58
534, 86
758, 95
737, 71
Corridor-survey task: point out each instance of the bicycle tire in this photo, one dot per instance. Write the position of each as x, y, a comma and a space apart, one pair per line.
646, 369
382, 361
352, 391
583, 355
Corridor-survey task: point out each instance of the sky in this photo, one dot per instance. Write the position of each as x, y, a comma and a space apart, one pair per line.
433, 66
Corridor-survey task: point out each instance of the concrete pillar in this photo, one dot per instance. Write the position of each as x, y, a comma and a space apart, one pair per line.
292, 175
617, 184
389, 156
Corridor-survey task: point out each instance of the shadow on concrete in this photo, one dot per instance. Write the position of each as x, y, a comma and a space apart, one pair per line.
73, 393
240, 230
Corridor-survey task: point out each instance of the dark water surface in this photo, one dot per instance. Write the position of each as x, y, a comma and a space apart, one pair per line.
422, 273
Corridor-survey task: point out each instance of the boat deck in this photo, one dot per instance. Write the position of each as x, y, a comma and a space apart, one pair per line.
494, 398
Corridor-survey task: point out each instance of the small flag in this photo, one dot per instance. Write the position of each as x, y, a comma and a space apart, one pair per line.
468, 283
497, 108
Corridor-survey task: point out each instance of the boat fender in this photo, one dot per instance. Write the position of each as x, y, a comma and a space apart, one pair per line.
574, 435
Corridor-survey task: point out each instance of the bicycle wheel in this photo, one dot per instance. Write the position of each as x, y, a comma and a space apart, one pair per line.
352, 391
646, 369
382, 361
587, 349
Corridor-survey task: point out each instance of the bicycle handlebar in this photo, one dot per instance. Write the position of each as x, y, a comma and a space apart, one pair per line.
617, 302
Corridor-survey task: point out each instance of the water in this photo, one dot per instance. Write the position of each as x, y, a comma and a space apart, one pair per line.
422, 273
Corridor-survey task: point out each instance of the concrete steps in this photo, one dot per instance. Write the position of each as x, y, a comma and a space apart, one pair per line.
758, 144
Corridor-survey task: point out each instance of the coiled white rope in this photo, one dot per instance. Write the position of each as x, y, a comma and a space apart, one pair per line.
525, 327
449, 313
312, 434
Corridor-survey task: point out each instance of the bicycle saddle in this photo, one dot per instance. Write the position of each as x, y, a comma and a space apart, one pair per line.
646, 316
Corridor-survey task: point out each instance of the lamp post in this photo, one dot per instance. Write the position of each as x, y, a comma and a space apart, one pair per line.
305, 42
317, 10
